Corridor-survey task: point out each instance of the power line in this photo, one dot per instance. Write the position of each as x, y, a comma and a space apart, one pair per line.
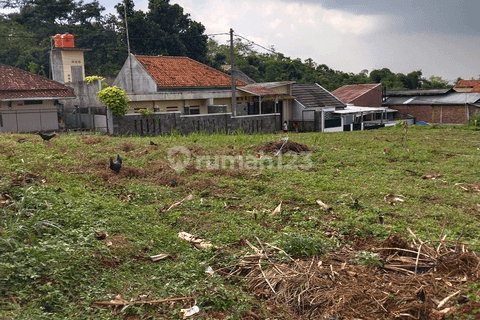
115, 38
252, 42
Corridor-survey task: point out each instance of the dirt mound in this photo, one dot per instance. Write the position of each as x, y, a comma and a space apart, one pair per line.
284, 147
92, 140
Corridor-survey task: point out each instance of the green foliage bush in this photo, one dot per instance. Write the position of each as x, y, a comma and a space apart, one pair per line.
145, 112
115, 99
474, 122
93, 78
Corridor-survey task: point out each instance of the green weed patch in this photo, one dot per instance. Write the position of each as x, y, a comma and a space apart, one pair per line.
57, 197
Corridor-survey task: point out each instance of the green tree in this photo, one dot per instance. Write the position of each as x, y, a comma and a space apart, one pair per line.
19, 47
43, 19
413, 80
164, 29
435, 82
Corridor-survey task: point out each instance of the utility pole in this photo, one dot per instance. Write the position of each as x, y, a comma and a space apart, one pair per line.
128, 44
234, 96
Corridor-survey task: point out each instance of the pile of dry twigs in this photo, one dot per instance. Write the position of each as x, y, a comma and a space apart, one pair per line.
422, 280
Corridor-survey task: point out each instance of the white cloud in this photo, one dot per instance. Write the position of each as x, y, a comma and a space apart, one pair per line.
297, 29
350, 23
342, 40
275, 23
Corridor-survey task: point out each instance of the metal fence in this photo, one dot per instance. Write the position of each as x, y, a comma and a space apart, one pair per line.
54, 119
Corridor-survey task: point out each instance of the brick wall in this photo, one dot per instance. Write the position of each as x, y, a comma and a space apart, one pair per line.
159, 123
373, 98
474, 110
450, 114
435, 114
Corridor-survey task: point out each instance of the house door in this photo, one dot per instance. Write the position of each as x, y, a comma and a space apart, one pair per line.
280, 110
251, 108
77, 74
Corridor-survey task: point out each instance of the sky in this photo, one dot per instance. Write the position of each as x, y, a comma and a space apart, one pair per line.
438, 37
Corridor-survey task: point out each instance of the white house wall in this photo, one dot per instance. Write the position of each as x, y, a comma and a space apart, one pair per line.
71, 59
334, 129
296, 114
180, 95
29, 120
143, 83
18, 117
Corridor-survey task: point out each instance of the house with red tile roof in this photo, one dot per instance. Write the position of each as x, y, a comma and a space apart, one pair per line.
467, 86
28, 102
363, 95
171, 83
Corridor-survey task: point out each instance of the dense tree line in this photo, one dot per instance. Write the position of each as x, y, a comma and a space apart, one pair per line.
26, 36
272, 66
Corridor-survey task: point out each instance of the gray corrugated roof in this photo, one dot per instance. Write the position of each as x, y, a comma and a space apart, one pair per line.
451, 98
315, 96
417, 92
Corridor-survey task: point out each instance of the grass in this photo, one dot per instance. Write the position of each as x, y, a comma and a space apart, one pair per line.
52, 266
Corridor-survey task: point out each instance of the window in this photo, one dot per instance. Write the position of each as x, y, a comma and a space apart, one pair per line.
27, 102
172, 108
194, 110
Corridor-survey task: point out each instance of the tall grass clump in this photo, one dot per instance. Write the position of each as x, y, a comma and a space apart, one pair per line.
474, 122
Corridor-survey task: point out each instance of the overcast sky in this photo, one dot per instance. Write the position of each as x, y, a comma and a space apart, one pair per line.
440, 37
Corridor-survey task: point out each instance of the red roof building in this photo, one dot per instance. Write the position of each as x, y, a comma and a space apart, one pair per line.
181, 84
363, 95
17, 84
467, 86
174, 72
28, 102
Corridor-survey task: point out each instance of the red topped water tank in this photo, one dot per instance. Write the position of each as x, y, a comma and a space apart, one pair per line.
58, 41
68, 41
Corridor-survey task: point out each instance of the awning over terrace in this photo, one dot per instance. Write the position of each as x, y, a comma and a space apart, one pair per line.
265, 94
349, 109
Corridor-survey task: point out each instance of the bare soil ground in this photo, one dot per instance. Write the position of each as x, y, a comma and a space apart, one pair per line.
284, 146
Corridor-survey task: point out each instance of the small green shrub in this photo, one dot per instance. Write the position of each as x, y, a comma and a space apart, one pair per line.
300, 245
93, 78
474, 122
145, 112
115, 99
473, 292
367, 258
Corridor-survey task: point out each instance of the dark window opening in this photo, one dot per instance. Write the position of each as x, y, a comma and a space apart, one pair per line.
33, 102
194, 110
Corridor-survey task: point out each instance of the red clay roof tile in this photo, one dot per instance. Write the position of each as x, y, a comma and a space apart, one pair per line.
171, 71
20, 84
350, 92
467, 83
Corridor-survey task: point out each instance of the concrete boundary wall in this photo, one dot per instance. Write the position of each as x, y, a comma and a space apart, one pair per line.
159, 123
